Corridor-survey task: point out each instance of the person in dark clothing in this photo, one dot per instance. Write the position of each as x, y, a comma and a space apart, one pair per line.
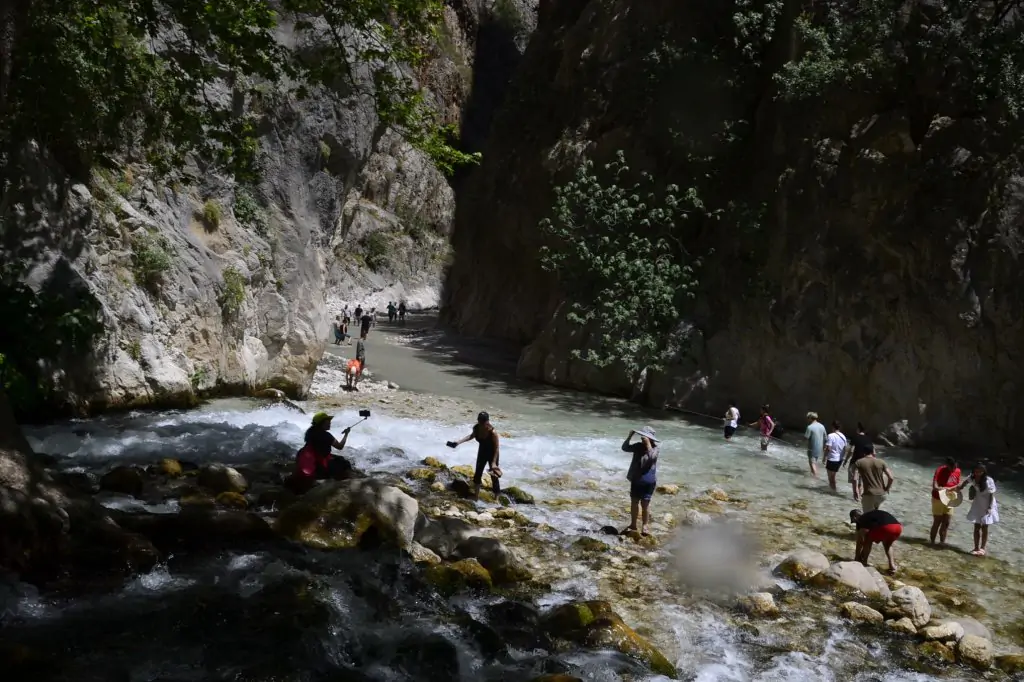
401, 312
642, 475
315, 460
876, 526
488, 451
392, 311
359, 312
860, 445
365, 321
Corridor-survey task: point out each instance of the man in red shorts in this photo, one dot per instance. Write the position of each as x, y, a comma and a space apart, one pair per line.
876, 526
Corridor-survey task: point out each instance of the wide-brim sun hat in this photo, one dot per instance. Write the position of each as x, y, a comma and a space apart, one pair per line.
951, 498
647, 432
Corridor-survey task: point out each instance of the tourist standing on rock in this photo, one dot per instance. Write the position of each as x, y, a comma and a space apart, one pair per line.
765, 424
392, 311
815, 435
875, 481
876, 526
365, 321
947, 477
732, 419
401, 312
835, 448
339, 335
860, 445
488, 452
642, 476
315, 460
984, 510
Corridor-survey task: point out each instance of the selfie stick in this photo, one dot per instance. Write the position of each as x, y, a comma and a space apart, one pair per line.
358, 423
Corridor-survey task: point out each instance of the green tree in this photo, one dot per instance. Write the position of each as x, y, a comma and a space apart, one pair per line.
616, 253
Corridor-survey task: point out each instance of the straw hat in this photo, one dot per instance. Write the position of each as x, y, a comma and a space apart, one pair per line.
950, 498
647, 432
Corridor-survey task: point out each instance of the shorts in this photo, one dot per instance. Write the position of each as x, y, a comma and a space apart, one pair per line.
765, 441
338, 468
729, 430
833, 465
939, 509
887, 534
813, 456
642, 491
869, 502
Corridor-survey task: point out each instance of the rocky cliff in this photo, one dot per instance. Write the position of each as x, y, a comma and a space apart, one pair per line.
881, 283
206, 286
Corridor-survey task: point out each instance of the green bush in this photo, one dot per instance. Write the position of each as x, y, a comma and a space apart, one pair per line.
150, 260
249, 213
325, 151
212, 215
233, 296
509, 15
378, 246
135, 350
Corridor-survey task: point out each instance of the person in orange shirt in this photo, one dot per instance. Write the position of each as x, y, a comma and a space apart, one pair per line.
353, 372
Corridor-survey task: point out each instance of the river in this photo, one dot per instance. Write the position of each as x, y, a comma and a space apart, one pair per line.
194, 620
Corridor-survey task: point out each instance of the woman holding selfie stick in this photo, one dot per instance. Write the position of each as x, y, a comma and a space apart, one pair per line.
642, 475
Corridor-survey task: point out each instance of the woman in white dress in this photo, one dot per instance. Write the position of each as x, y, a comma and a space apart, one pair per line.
984, 509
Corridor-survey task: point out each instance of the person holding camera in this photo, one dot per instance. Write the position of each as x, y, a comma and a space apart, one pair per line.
487, 453
315, 460
642, 475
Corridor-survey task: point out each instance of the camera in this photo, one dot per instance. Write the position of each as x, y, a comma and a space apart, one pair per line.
364, 413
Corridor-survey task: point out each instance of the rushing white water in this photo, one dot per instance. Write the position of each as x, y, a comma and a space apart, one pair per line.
575, 458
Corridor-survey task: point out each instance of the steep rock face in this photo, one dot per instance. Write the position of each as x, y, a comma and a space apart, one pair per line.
880, 289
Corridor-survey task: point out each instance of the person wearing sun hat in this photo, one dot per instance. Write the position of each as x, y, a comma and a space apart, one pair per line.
642, 475
315, 461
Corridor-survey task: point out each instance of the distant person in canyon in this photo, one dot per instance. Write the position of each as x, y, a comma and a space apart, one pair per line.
488, 452
361, 354
984, 511
876, 480
835, 450
373, 318
346, 320
815, 435
765, 425
339, 334
358, 313
392, 311
860, 445
732, 420
876, 526
401, 312
364, 325
315, 461
946, 477
642, 476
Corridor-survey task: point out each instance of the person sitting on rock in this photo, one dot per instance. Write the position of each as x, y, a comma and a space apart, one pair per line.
876, 526
487, 454
315, 461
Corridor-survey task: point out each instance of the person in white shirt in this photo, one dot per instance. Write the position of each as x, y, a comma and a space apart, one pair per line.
732, 419
835, 448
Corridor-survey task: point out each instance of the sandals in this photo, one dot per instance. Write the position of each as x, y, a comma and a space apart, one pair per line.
978, 552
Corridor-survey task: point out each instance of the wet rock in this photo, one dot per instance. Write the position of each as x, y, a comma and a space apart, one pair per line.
422, 555
861, 613
902, 625
462, 489
648, 541
336, 514
437, 487
802, 565
855, 576
595, 625
275, 498
435, 463
218, 478
949, 631
1011, 664
271, 393
609, 530
77, 481
936, 651
558, 677
460, 575
518, 495
519, 625
717, 494
972, 627
127, 480
443, 535
170, 467
422, 474
467, 472
503, 565
560, 481
976, 652
197, 499
692, 517
518, 518
588, 544
197, 528
232, 501
910, 602
760, 605
668, 489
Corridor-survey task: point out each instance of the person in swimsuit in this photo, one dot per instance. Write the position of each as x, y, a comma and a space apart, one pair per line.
488, 452
642, 476
876, 526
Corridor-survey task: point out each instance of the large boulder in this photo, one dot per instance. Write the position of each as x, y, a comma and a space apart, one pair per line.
902, 625
443, 535
595, 625
759, 605
201, 528
972, 627
503, 565
909, 602
450, 578
861, 613
337, 515
1011, 664
948, 631
127, 480
855, 576
802, 565
218, 478
975, 651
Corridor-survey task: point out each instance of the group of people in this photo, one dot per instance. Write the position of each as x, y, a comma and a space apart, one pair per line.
396, 312
367, 319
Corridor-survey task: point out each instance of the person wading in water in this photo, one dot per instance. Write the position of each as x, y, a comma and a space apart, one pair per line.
642, 476
815, 435
487, 454
946, 477
765, 424
860, 445
835, 448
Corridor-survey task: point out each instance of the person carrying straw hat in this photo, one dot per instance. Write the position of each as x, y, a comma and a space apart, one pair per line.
642, 475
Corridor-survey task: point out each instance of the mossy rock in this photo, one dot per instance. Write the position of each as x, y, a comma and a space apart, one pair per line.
569, 618
170, 467
275, 498
936, 651
588, 544
435, 463
422, 474
486, 496
127, 480
232, 501
459, 575
463, 470
1011, 664
197, 499
647, 541
519, 496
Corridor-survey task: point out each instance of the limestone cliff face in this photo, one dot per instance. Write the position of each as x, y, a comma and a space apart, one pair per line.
880, 288
208, 287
